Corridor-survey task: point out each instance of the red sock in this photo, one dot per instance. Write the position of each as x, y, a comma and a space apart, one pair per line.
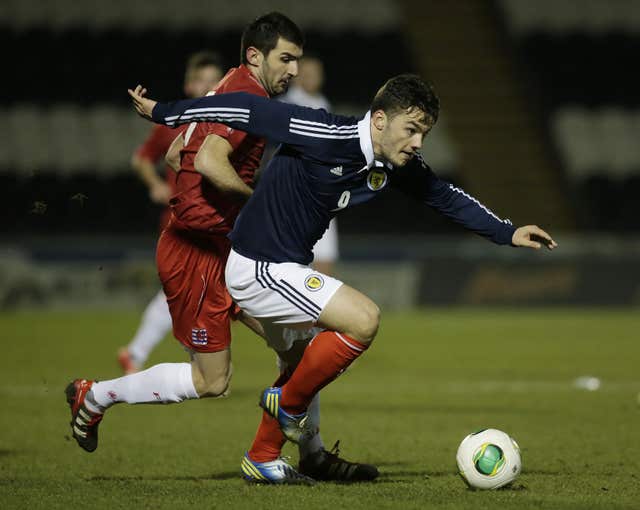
324, 359
269, 440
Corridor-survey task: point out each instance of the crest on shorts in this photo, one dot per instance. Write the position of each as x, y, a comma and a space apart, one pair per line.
377, 179
199, 336
314, 282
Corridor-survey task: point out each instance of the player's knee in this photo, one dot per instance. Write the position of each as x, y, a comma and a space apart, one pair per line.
216, 388
366, 325
213, 387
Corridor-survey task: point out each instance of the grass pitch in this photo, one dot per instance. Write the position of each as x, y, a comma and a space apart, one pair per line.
431, 377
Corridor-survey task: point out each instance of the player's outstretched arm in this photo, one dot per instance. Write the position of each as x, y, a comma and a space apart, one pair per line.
532, 236
246, 112
416, 179
306, 129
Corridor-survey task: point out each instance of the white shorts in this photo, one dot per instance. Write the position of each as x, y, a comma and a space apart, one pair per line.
284, 294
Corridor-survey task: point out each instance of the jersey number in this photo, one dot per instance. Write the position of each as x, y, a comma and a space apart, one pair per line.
343, 201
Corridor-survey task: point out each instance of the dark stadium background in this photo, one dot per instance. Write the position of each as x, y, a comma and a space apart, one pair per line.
539, 121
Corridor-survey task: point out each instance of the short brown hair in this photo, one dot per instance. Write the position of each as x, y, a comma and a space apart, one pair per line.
404, 92
263, 33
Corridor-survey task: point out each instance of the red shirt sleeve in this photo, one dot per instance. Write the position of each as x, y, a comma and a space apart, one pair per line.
233, 136
157, 143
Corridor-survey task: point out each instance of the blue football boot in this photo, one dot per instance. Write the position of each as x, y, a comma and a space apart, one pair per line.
273, 472
293, 426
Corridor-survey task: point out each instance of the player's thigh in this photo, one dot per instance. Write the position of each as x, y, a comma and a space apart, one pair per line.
211, 372
192, 275
351, 312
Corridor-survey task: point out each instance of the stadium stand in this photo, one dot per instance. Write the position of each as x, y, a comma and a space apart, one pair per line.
70, 132
576, 55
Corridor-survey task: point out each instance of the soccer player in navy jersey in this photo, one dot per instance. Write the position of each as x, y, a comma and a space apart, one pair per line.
325, 163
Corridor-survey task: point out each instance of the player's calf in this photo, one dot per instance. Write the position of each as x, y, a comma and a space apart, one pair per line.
213, 388
211, 373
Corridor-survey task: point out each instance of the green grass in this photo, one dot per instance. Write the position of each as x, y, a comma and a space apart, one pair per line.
431, 377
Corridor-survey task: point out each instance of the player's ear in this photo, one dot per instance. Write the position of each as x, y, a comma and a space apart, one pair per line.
254, 56
379, 119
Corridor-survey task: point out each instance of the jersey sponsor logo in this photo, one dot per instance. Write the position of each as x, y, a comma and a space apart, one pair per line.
199, 336
314, 282
336, 171
377, 179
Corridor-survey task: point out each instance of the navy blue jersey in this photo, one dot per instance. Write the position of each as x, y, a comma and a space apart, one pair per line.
325, 164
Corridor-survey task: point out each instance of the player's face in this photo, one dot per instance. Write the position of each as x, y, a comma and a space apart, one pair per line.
402, 135
280, 66
200, 81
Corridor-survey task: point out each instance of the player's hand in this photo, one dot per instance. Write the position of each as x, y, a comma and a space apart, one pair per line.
143, 105
160, 193
534, 237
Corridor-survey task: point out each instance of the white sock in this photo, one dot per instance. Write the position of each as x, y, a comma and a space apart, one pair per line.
155, 324
314, 443
160, 384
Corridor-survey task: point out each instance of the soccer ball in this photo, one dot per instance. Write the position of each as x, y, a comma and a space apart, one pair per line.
488, 459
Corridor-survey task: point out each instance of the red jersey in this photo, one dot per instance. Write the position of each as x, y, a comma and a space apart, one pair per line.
155, 147
197, 204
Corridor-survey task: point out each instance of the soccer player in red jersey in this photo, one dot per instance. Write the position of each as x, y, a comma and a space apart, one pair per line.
203, 72
215, 166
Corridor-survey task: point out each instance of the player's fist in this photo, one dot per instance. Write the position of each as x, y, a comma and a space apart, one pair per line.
160, 193
532, 236
143, 106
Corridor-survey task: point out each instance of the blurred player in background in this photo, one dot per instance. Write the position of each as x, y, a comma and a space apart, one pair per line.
306, 90
203, 72
216, 167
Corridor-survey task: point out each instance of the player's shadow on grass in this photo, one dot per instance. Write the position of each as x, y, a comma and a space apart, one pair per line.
402, 475
392, 463
427, 409
227, 475
413, 475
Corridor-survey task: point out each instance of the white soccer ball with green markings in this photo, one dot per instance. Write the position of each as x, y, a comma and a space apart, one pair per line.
488, 459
